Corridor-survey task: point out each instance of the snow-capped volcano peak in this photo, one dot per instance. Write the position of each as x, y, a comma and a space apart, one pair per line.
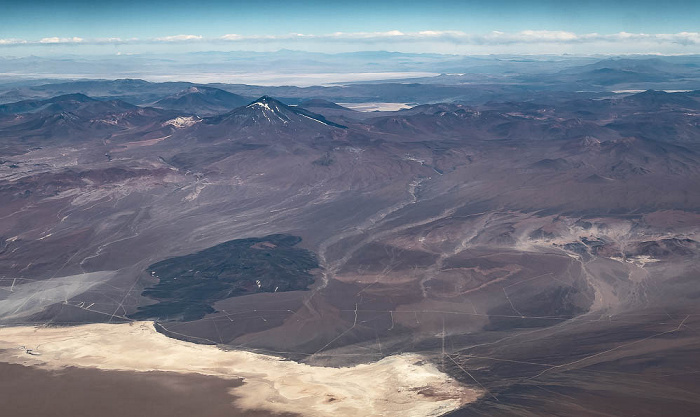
274, 111
269, 103
267, 111
267, 108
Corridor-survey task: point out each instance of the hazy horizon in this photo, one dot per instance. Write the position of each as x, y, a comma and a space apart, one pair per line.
449, 26
295, 68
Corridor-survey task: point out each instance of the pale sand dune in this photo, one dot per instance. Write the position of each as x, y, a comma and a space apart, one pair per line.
403, 385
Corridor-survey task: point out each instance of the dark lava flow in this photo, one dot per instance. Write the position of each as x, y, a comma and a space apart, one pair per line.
189, 285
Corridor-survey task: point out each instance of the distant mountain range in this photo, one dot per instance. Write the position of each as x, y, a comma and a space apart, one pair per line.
77, 117
202, 101
468, 80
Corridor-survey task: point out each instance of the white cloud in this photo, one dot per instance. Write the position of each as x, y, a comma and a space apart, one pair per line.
492, 38
543, 41
55, 40
232, 37
12, 41
531, 36
392, 34
108, 40
683, 38
179, 38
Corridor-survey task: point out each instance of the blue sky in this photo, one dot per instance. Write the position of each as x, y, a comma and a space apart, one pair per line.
44, 27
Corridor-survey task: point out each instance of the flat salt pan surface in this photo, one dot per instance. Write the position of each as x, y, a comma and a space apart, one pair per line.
402, 385
376, 106
20, 298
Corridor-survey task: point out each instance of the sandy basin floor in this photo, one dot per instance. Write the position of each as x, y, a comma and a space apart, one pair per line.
84, 392
403, 385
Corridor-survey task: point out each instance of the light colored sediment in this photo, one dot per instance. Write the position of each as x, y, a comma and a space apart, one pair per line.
21, 298
401, 385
